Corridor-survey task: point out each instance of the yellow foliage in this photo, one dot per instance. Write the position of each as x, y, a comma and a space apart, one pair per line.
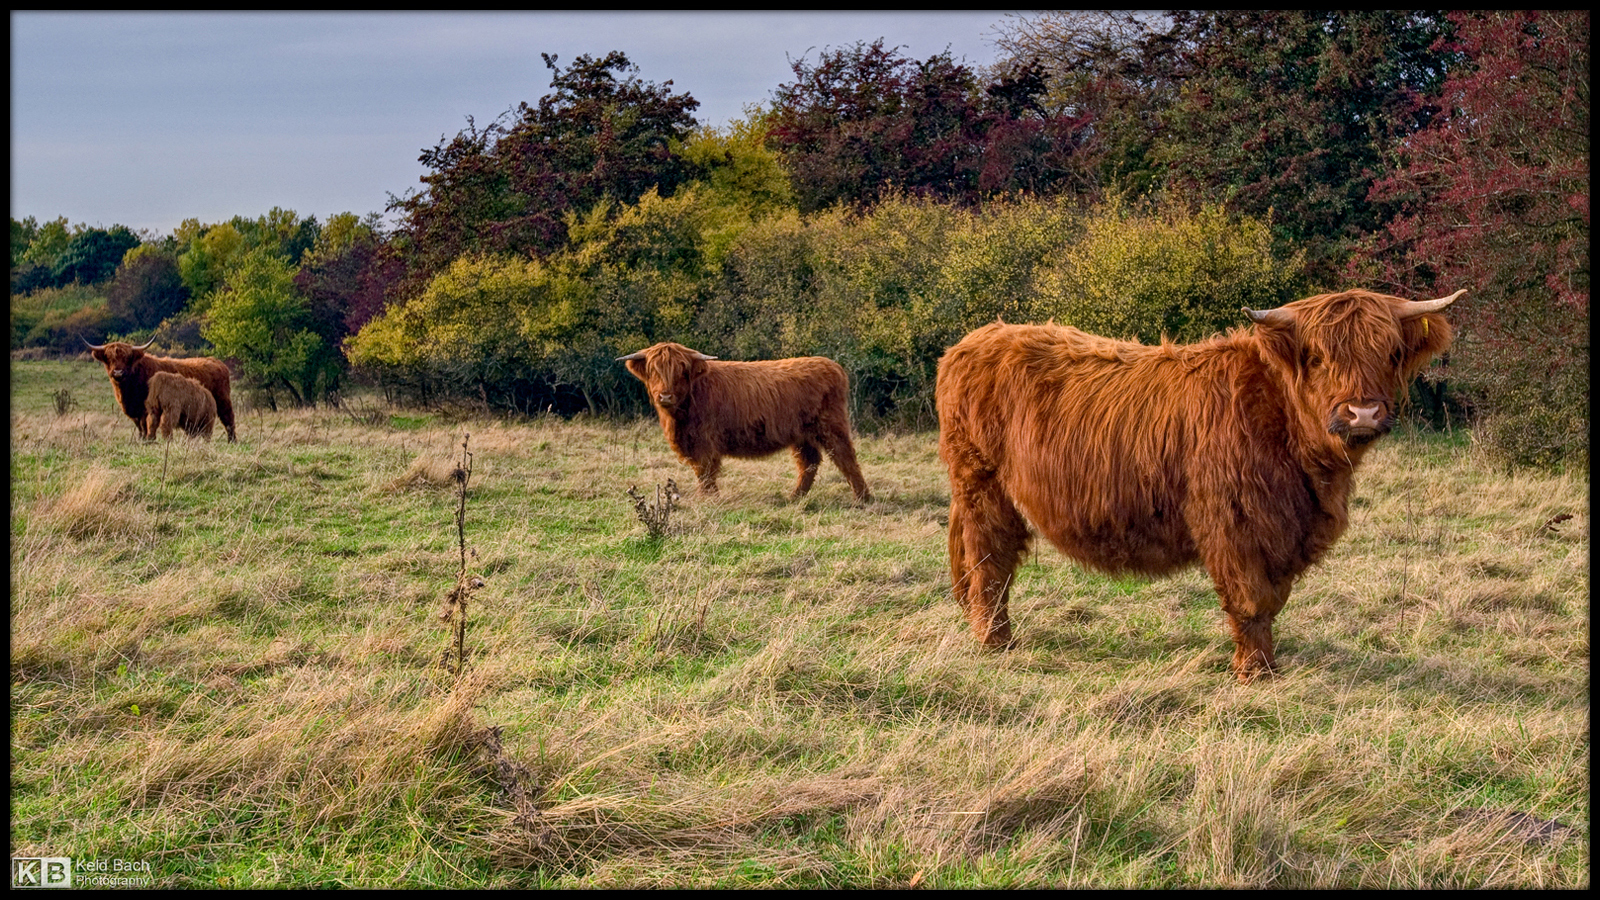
1145, 274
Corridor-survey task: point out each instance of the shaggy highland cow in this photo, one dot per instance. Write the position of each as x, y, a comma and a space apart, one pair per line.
710, 409
1236, 453
174, 401
130, 370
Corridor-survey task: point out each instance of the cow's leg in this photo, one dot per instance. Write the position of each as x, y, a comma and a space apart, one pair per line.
807, 459
837, 442
1251, 602
705, 471
993, 537
225, 414
148, 425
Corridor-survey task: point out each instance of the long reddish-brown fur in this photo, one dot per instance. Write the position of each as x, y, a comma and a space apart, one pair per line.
1235, 453
174, 401
130, 369
711, 408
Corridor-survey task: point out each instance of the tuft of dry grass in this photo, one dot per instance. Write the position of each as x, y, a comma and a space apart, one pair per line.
102, 505
428, 471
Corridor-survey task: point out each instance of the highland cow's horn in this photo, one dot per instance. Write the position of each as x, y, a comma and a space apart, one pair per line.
639, 355
1418, 307
145, 345
699, 355
1280, 316
92, 346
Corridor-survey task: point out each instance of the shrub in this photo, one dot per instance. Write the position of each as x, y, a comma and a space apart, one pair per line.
1145, 274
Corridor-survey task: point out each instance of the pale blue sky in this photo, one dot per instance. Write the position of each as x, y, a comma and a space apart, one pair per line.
146, 119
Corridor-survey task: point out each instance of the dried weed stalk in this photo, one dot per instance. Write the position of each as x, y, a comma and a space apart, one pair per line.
455, 603
657, 515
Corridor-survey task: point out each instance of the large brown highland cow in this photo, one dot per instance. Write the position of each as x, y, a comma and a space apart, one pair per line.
1236, 453
710, 409
174, 401
130, 368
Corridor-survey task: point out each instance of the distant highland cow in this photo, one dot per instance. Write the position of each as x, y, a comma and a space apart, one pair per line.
1236, 453
711, 409
130, 370
174, 401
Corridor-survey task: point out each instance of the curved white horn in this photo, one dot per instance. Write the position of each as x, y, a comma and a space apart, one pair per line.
1418, 307
639, 355
1279, 316
92, 346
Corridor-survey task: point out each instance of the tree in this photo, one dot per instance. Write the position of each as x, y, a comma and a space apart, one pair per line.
1493, 197
281, 229
94, 254
1287, 115
210, 252
35, 268
1291, 114
259, 319
601, 134
347, 276
147, 289
22, 234
864, 120
1097, 65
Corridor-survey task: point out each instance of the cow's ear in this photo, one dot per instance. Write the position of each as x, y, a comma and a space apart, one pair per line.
1280, 341
1425, 337
636, 366
99, 353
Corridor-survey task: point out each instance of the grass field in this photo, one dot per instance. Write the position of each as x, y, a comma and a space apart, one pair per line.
228, 663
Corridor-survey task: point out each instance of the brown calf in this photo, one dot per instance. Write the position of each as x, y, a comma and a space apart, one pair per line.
174, 401
710, 409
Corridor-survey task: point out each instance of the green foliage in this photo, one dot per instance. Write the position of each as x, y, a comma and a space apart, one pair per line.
486, 328
210, 252
94, 254
738, 168
60, 319
884, 292
536, 334
65, 331
1145, 275
49, 242
22, 235
262, 321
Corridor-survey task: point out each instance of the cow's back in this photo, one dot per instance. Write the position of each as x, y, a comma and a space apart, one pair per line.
759, 408
1092, 439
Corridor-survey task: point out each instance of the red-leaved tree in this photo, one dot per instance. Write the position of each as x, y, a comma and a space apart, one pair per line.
865, 121
1494, 198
